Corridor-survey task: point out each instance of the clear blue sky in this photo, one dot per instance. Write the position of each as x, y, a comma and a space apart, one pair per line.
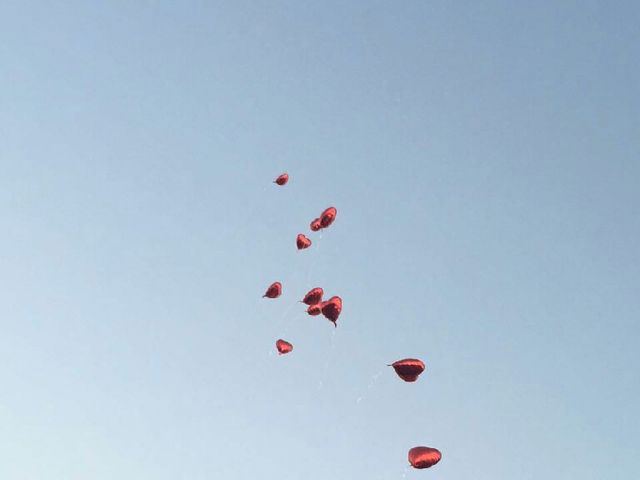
483, 157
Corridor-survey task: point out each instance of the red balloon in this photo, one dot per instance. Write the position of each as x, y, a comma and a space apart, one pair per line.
332, 309
274, 290
327, 217
408, 369
302, 241
424, 457
313, 296
315, 225
314, 309
282, 179
283, 347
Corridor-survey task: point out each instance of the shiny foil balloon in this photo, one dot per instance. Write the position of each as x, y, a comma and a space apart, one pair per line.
313, 296
282, 179
302, 242
332, 309
274, 290
408, 369
283, 347
315, 225
328, 216
424, 457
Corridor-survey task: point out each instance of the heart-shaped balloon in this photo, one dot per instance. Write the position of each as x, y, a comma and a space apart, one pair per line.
282, 179
283, 346
332, 309
302, 242
274, 290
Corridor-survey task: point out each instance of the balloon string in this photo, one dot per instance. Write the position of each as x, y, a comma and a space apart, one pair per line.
314, 261
372, 381
328, 356
283, 325
279, 326
296, 267
291, 279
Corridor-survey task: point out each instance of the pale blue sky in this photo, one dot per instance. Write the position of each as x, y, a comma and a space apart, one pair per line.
483, 157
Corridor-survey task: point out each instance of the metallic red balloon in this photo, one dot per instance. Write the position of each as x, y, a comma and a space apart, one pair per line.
314, 309
282, 179
327, 217
302, 242
408, 369
283, 347
315, 225
332, 309
274, 290
313, 296
424, 457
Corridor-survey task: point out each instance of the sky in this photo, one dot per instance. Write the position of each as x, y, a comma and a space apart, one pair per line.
483, 159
